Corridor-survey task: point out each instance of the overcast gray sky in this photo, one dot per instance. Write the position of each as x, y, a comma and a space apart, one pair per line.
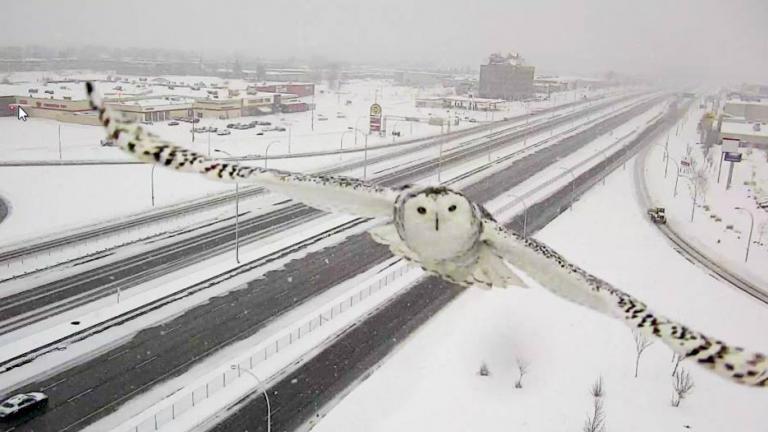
686, 38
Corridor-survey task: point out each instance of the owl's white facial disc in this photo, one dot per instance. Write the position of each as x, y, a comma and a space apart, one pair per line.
439, 224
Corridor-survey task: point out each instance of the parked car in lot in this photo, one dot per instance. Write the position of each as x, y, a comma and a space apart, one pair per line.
263, 123
146, 122
107, 142
274, 128
22, 403
173, 123
224, 132
321, 117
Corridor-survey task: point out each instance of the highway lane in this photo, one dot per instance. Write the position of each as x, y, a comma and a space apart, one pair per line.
303, 396
88, 391
46, 300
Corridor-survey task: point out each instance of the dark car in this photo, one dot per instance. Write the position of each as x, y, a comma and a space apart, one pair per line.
657, 215
22, 403
173, 123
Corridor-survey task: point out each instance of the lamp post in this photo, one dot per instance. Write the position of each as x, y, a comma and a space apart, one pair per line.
695, 195
266, 152
263, 391
440, 160
525, 213
365, 159
751, 225
341, 142
152, 183
237, 213
677, 174
356, 129
573, 184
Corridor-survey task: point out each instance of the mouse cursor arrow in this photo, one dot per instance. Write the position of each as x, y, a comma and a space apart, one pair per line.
22, 115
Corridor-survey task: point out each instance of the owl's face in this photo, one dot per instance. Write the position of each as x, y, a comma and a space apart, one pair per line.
438, 223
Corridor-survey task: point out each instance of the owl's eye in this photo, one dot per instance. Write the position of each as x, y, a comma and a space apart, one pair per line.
452, 208
421, 210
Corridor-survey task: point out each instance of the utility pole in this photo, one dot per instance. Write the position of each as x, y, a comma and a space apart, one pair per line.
751, 225
59, 142
237, 222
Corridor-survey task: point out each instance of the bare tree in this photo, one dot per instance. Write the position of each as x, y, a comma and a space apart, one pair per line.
596, 419
641, 343
676, 358
682, 384
522, 367
597, 388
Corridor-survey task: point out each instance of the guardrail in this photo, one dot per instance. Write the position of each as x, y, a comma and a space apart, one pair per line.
187, 400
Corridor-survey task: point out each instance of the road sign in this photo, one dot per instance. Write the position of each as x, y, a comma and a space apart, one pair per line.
375, 125
732, 157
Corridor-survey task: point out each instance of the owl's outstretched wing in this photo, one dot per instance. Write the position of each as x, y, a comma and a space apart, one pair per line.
556, 274
329, 193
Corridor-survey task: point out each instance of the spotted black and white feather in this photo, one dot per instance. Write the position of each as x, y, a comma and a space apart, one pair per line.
449, 235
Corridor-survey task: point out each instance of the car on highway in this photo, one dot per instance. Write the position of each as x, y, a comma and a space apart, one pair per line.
22, 403
658, 215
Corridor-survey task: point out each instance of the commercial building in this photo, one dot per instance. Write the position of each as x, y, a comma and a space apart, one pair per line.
506, 77
750, 134
751, 111
299, 89
459, 102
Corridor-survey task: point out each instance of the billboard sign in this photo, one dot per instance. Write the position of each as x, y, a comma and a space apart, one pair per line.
375, 125
732, 157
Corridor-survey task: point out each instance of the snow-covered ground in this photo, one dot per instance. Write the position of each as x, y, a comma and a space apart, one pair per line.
432, 383
718, 229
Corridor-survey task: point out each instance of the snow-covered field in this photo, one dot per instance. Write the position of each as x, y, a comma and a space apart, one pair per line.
718, 229
432, 383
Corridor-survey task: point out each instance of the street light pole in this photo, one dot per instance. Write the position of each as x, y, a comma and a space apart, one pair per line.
440, 161
751, 225
263, 391
573, 184
677, 174
237, 222
152, 183
59, 142
341, 141
525, 214
365, 159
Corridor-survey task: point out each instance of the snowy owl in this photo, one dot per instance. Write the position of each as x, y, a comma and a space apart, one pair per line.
450, 236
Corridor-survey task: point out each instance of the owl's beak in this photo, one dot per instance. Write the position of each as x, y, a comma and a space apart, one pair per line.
437, 223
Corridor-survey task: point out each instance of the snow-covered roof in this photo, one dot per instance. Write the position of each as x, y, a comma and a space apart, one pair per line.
744, 128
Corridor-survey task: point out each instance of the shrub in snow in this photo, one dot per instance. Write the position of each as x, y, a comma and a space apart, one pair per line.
641, 343
484, 371
676, 360
597, 388
522, 367
729, 227
596, 419
682, 383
